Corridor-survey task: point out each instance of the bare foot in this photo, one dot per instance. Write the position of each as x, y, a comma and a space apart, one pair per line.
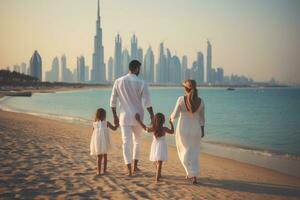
194, 181
136, 169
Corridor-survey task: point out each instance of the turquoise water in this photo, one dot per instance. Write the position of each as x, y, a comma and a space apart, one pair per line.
267, 119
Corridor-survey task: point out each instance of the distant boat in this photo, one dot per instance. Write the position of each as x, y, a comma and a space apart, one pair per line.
230, 88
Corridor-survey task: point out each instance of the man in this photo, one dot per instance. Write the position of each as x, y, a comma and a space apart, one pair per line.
130, 90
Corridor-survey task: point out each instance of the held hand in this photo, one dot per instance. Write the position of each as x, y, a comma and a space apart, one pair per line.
116, 121
170, 121
137, 117
151, 118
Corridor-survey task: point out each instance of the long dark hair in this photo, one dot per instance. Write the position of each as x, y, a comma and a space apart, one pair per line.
157, 125
100, 114
190, 87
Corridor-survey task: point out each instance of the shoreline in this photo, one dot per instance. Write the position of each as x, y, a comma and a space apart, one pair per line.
52, 158
267, 158
248, 155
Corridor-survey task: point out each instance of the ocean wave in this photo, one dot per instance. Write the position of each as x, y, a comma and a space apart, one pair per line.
254, 150
70, 119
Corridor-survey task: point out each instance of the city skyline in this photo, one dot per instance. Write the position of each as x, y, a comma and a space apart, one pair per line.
240, 64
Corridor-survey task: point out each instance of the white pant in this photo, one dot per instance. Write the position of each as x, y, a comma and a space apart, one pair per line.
127, 133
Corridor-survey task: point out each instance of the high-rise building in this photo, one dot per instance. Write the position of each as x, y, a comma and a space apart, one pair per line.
168, 69
36, 65
141, 58
161, 71
80, 69
87, 74
134, 48
63, 68
149, 66
184, 68
200, 68
110, 67
98, 70
220, 75
53, 74
125, 61
117, 66
208, 62
175, 70
23, 68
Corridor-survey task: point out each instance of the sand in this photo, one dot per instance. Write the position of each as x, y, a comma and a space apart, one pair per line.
42, 159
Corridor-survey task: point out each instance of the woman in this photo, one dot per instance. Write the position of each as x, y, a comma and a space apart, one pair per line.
190, 128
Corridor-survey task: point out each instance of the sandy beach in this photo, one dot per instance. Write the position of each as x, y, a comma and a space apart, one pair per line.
42, 159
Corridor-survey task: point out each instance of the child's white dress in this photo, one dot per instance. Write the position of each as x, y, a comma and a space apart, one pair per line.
100, 141
159, 149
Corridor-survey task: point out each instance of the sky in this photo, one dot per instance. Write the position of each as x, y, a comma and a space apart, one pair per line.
257, 38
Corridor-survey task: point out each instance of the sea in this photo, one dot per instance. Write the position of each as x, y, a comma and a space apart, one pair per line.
259, 126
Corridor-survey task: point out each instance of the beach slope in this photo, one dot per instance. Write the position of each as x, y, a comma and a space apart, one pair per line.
42, 158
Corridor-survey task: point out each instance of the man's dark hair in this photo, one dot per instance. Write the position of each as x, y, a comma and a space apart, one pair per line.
134, 64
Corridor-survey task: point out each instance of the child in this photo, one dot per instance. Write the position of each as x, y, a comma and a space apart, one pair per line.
100, 141
159, 151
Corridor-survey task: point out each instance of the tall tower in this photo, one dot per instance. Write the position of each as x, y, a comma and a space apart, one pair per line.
98, 70
208, 63
117, 72
134, 48
161, 68
149, 66
36, 65
200, 65
63, 68
80, 69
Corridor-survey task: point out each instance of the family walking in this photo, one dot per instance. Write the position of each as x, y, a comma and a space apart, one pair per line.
133, 95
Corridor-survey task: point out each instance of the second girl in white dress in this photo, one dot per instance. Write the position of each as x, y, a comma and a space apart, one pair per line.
159, 148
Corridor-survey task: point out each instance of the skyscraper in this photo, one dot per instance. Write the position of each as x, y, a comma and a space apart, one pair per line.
208, 62
125, 61
80, 69
140, 58
200, 67
36, 65
87, 74
134, 48
63, 68
110, 69
184, 68
220, 75
149, 66
117, 66
175, 70
53, 74
98, 70
160, 71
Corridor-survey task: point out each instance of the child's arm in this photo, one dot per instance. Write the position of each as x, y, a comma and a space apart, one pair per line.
170, 131
112, 127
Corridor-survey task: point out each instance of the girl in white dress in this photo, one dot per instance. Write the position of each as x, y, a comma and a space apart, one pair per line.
100, 141
190, 128
159, 149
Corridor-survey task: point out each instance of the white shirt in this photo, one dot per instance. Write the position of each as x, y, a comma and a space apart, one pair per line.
131, 91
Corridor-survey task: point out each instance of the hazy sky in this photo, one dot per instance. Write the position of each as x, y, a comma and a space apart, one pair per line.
257, 38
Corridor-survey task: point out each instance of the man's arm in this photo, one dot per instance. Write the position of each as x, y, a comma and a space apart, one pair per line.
147, 102
151, 113
116, 118
113, 103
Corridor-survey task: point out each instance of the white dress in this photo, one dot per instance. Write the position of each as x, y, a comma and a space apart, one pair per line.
100, 141
188, 135
159, 149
